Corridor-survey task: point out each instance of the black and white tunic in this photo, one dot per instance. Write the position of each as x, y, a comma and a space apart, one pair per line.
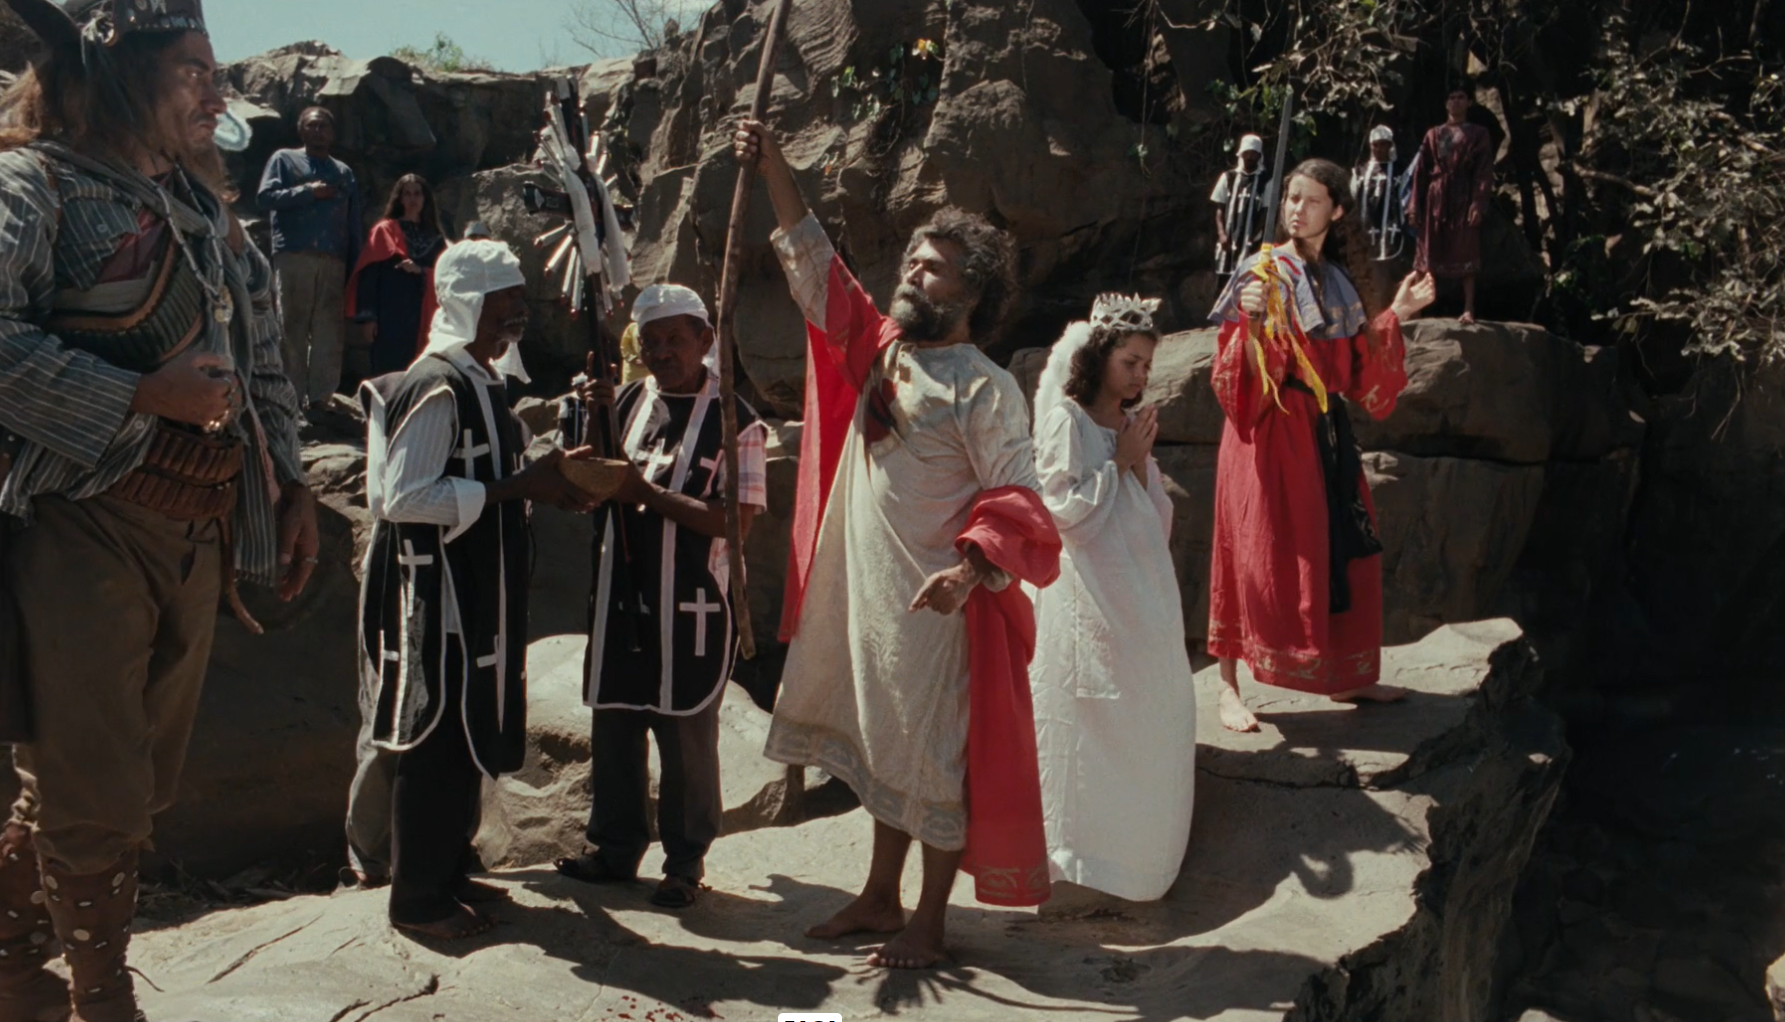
683, 622
443, 608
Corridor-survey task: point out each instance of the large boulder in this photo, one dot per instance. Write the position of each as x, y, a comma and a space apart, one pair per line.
1707, 539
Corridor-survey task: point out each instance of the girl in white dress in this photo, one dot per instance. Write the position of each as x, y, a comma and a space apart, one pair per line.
1115, 707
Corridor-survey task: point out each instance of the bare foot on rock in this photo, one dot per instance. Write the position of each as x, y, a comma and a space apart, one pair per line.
911, 949
1377, 693
1234, 714
1467, 318
861, 916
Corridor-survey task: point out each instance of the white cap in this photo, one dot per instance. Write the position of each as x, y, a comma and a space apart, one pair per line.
1382, 133
1251, 144
466, 273
660, 301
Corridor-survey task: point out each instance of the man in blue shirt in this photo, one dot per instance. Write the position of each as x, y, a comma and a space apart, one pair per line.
315, 210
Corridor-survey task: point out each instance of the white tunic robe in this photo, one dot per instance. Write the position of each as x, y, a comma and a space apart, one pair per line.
874, 693
1115, 707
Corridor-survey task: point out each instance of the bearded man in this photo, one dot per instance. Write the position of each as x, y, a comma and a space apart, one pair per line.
917, 484
152, 442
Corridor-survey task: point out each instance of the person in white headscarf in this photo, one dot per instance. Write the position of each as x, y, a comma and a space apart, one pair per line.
443, 603
1240, 198
661, 640
1115, 706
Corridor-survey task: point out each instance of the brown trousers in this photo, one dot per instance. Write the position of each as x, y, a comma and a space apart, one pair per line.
117, 610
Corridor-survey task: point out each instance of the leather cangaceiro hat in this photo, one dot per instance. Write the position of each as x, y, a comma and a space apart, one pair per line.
61, 26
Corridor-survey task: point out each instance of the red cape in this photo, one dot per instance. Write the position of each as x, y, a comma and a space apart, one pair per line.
387, 242
1006, 842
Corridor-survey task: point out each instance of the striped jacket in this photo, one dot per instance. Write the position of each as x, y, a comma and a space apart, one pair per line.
66, 413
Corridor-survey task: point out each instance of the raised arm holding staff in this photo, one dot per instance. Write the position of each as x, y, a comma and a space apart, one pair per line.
917, 460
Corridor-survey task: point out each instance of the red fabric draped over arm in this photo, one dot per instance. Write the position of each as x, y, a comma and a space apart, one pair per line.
1006, 840
838, 360
387, 242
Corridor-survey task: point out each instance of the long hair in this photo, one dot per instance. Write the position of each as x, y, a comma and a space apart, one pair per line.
60, 99
1347, 243
110, 113
430, 213
988, 263
1085, 381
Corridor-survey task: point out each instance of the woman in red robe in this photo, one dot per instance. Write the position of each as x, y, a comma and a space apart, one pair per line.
1296, 579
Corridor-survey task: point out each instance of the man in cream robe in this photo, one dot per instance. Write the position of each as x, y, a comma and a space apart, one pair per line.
912, 434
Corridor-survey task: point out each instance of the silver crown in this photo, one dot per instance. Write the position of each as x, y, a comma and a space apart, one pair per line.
1125, 312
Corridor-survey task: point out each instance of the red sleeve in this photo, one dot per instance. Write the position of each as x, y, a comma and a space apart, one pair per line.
1235, 378
1376, 373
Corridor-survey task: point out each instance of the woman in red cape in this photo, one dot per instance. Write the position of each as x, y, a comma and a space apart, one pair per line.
1295, 584
391, 293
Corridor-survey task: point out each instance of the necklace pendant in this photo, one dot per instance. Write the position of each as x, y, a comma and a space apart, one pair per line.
225, 310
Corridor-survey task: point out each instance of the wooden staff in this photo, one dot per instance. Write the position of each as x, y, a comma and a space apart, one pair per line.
728, 294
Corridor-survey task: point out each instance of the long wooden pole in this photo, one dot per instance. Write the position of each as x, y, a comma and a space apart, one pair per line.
728, 294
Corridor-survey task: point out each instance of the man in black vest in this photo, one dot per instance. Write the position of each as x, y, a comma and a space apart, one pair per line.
659, 655
443, 608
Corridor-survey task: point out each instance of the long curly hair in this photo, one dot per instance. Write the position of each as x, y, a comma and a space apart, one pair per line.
1347, 241
1085, 380
988, 263
430, 213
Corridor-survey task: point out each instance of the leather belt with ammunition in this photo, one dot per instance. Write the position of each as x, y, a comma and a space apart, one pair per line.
186, 475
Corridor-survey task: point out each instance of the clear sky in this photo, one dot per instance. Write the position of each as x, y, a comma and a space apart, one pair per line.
512, 35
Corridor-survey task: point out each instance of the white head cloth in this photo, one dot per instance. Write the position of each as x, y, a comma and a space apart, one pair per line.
1384, 133
661, 301
1249, 144
466, 273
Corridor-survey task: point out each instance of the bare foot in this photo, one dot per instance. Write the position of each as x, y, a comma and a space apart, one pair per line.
909, 950
1234, 714
1377, 693
1466, 318
861, 916
464, 923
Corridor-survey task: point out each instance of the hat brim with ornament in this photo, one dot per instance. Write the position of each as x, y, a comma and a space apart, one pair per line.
107, 22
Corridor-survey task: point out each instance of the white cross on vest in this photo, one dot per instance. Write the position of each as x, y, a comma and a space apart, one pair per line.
412, 560
662, 457
700, 608
469, 453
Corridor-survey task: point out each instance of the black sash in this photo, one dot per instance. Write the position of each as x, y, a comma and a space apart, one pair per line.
1351, 535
